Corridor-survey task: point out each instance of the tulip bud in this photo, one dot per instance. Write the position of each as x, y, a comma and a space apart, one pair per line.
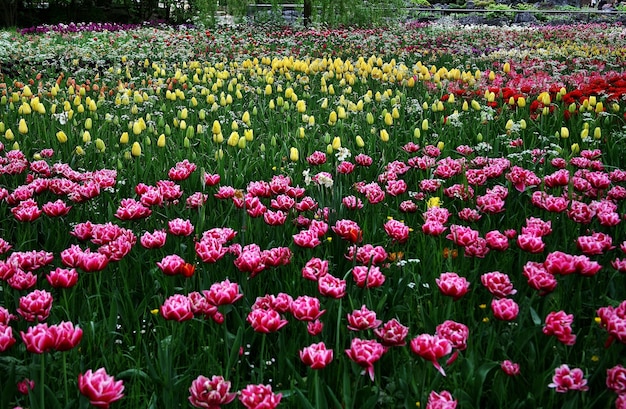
425, 125
506, 67
509, 125
522, 123
575, 148
521, 102
584, 133
161, 141
417, 133
564, 132
294, 155
61, 137
79, 151
336, 143
100, 145
233, 139
475, 105
8, 134
465, 106
597, 133
440, 145
384, 135
388, 119
22, 127
248, 135
217, 128
136, 149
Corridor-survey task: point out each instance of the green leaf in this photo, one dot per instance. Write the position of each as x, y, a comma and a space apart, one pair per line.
535, 316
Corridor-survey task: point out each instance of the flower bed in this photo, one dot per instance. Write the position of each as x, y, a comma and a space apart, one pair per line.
326, 218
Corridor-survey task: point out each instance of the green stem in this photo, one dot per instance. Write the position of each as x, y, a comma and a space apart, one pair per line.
65, 378
42, 395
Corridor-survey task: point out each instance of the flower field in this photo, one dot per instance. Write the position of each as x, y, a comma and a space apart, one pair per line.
417, 216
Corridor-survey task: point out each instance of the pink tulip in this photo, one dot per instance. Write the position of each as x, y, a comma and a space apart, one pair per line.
153, 240
201, 306
530, 243
171, 264
26, 211
265, 320
352, 202
510, 368
307, 239
538, 278
38, 339
504, 309
35, 306
259, 397
177, 307
210, 249
462, 235
452, 285
210, 393
56, 208
561, 263
65, 336
392, 333
25, 386
100, 388
496, 240
314, 327
365, 353
180, 227
223, 293
498, 284
316, 356
431, 348
211, 179
348, 230
363, 319
455, 332
566, 379
250, 260
397, 230
369, 277
62, 277
616, 379
559, 324
22, 280
130, 209
306, 308
442, 400
331, 286
6, 337
314, 269
90, 262
367, 254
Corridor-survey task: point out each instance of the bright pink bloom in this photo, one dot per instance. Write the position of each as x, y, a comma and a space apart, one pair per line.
538, 278
38, 339
201, 306
35, 306
316, 158
392, 333
443, 400
561, 263
22, 280
62, 277
6, 337
211, 393
455, 332
306, 308
316, 356
153, 240
367, 254
363, 160
345, 167
56, 208
210, 249
510, 368
177, 307
397, 230
171, 264
530, 243
396, 187
4, 246
504, 309
352, 202
91, 262
250, 260
462, 235
180, 227
331, 286
616, 379
26, 211
314, 327
211, 179
431, 348
619, 264
275, 218
223, 293
100, 388
259, 397
65, 335
315, 269
365, 353
363, 319
369, 277
469, 215
559, 324
566, 379
433, 228
182, 170
25, 385
307, 239
151, 196
130, 209
265, 320
613, 319
498, 284
196, 200
348, 230
585, 266
597, 243
452, 285
497, 240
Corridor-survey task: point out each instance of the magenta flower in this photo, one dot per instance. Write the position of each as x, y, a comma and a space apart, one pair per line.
65, 335
210, 249
35, 306
392, 333
180, 227
538, 278
306, 308
431, 348
442, 400
369, 277
100, 388
462, 235
363, 319
331, 286
510, 368
504, 309
265, 320
566, 379
307, 239
6, 337
153, 240
250, 260
498, 284
38, 339
210, 393
56, 208
559, 324
62, 277
171, 264
314, 327
452, 285
316, 356
259, 397
365, 353
223, 293
90, 262
177, 307
455, 332
397, 230
616, 379
25, 385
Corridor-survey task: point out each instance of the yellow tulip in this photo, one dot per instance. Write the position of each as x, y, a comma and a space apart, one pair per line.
136, 149
597, 133
2, 129
161, 141
417, 133
86, 137
359, 141
575, 148
564, 132
100, 145
384, 135
475, 105
336, 143
246, 118
425, 125
440, 145
22, 127
79, 151
233, 139
294, 155
8, 134
136, 128
217, 127
506, 67
124, 138
61, 137
388, 119
332, 118
465, 106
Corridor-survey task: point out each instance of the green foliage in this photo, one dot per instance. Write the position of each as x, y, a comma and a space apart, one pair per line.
421, 3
